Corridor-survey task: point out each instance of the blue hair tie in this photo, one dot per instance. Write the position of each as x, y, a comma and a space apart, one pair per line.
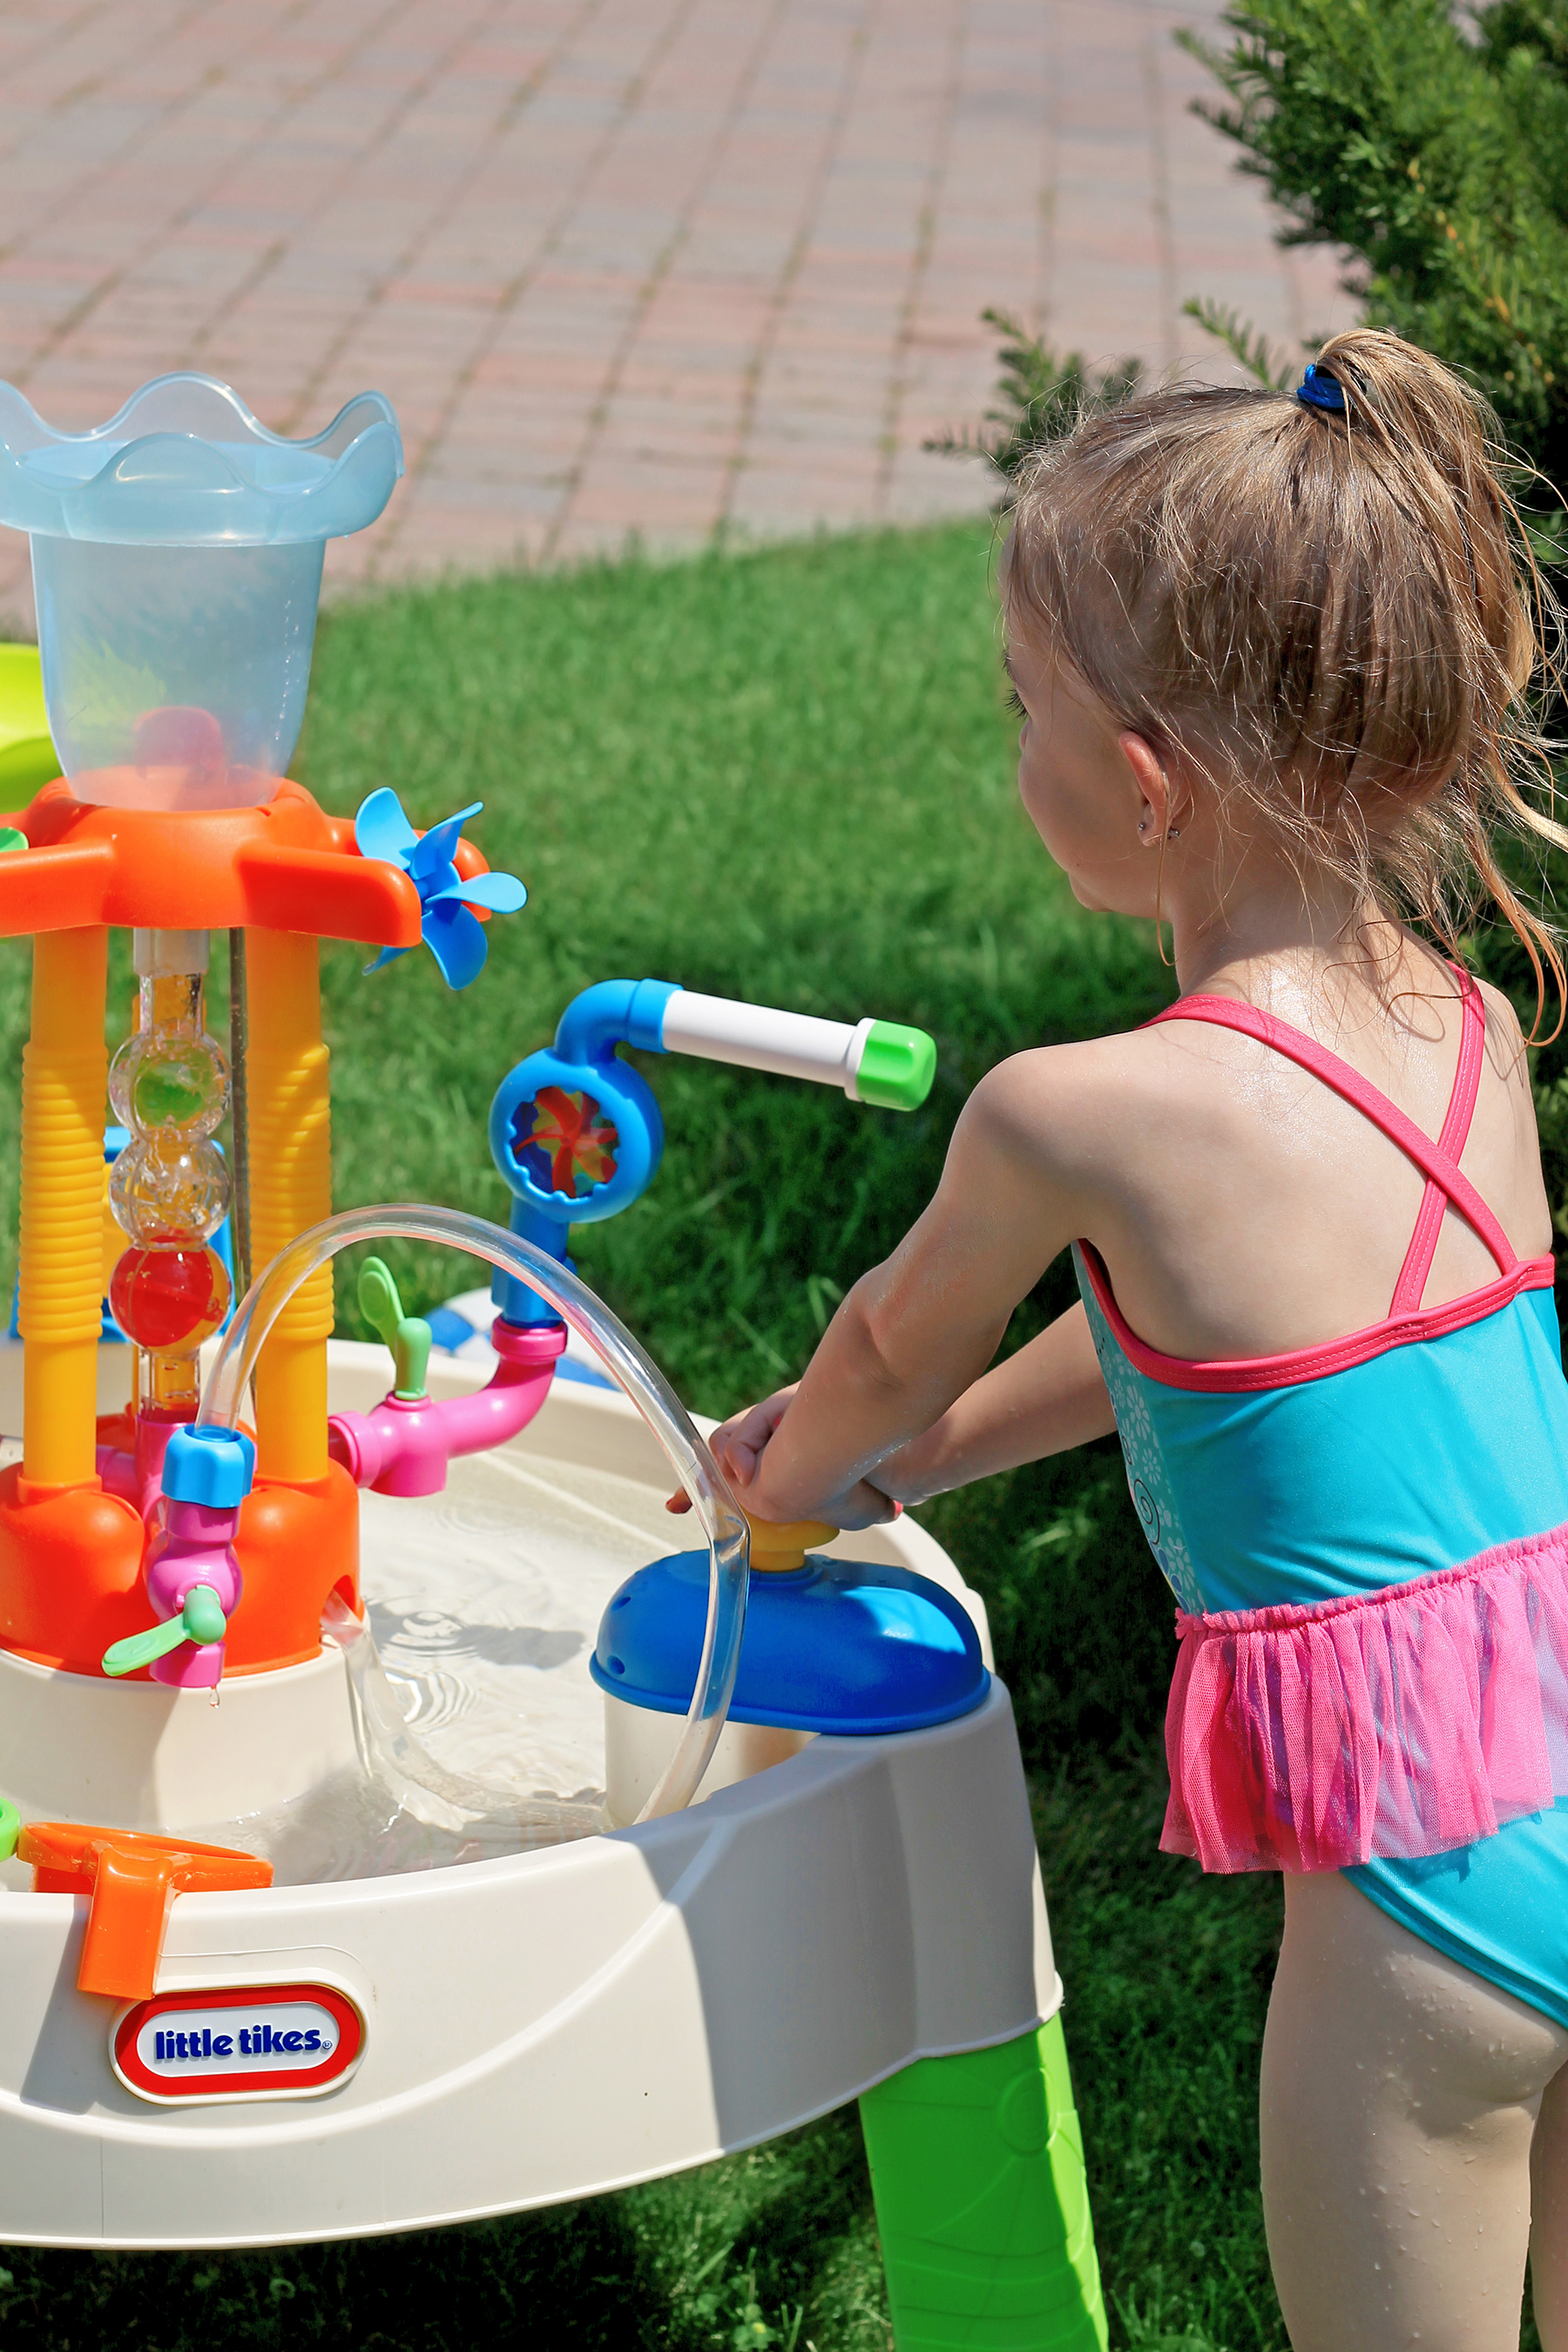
1316, 391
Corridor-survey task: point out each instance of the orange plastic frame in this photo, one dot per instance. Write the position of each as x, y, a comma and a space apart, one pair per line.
288, 866
70, 1558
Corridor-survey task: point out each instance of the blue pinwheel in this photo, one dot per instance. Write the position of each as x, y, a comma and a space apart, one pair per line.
455, 937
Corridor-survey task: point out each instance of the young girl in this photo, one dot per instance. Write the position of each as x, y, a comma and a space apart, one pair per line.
1271, 651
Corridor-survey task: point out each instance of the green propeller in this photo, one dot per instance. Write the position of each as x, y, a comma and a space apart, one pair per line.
201, 1621
407, 1336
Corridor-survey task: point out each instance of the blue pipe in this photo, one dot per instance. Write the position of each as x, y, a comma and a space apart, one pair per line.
513, 1300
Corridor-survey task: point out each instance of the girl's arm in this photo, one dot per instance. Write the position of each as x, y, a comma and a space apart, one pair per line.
1048, 1396
915, 1334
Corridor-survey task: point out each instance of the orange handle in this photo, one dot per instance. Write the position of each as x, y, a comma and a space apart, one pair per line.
133, 1880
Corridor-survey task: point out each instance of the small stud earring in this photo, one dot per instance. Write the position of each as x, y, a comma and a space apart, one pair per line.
1172, 833
1142, 824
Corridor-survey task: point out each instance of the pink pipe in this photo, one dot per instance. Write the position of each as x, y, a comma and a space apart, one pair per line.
138, 1478
403, 1446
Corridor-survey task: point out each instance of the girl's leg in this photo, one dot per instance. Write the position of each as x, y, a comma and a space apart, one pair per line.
1549, 2216
1400, 2093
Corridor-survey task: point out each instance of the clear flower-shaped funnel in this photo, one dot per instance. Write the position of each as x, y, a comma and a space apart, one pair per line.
687, 1453
177, 559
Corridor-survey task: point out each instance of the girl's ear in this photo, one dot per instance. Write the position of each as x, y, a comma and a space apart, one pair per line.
1150, 784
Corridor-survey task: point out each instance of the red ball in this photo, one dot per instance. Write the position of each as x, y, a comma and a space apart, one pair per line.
169, 1296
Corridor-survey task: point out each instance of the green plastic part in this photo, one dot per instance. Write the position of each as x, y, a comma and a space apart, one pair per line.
407, 1336
378, 1300
201, 1621
202, 1616
140, 1649
10, 1830
981, 2205
11, 839
27, 755
897, 1067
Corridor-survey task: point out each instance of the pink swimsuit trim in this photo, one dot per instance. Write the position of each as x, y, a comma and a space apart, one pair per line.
1406, 1320
1406, 1722
1249, 1372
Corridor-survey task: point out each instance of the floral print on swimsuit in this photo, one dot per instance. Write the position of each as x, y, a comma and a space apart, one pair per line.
1141, 1452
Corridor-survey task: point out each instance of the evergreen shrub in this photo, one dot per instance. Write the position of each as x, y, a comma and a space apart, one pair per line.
1432, 148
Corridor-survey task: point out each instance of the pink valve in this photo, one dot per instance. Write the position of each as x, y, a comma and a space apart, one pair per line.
191, 1574
196, 1547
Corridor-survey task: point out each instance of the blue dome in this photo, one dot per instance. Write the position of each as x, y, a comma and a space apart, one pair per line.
838, 1645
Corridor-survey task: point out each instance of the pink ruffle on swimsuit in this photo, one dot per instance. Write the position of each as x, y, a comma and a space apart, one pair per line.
1398, 1723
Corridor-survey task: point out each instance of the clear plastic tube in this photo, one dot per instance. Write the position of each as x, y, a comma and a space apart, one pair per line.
687, 1452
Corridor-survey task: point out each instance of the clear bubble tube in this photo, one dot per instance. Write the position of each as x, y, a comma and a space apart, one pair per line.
169, 1086
686, 1451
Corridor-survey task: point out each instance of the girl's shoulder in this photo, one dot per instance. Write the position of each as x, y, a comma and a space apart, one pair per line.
1506, 1041
1103, 1105
1096, 1075
1072, 1107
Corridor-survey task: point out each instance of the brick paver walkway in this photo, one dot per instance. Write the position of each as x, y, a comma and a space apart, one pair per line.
675, 267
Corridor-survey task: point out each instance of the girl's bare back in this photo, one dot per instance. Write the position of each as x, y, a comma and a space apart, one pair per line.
1243, 1209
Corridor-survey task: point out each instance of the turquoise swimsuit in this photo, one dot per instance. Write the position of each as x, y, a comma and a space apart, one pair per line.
1293, 1502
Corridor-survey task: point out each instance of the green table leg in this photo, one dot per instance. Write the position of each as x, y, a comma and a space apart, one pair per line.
982, 2207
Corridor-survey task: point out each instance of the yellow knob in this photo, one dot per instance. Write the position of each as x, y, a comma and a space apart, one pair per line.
776, 1549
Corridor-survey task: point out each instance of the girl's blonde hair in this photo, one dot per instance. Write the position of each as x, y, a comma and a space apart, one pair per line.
1335, 615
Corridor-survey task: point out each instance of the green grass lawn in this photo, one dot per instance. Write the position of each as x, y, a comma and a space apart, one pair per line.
786, 776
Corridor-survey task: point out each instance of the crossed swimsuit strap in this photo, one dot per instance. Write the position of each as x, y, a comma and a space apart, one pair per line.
1439, 1161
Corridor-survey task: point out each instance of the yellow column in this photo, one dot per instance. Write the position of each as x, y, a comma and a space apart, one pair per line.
291, 1156
65, 1073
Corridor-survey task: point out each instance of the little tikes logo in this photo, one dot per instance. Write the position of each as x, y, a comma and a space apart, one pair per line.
250, 2042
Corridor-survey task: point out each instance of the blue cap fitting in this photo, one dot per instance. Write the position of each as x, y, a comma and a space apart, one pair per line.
844, 1646
210, 1466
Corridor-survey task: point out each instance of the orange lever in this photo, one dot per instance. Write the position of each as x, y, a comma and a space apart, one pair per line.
132, 1881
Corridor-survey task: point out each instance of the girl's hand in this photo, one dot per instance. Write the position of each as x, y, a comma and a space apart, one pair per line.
739, 1445
736, 1443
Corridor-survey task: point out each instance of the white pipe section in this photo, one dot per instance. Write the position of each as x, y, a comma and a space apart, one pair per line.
757, 1037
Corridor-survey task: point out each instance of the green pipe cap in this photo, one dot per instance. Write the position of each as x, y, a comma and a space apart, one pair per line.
897, 1067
